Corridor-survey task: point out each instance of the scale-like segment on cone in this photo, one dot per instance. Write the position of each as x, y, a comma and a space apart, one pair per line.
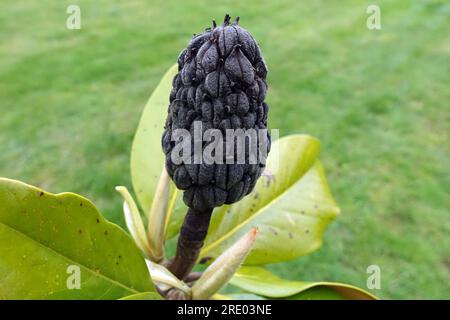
221, 84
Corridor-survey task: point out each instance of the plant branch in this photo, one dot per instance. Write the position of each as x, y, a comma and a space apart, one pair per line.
192, 234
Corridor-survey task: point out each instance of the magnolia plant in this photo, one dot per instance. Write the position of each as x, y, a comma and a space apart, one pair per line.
59, 246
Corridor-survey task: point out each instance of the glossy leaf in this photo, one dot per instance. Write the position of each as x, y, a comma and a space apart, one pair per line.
291, 206
45, 239
319, 292
147, 157
237, 296
262, 282
143, 296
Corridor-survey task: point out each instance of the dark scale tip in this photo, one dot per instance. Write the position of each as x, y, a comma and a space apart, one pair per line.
236, 21
226, 20
214, 23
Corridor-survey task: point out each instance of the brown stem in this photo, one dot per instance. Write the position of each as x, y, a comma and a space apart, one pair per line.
177, 294
192, 277
192, 233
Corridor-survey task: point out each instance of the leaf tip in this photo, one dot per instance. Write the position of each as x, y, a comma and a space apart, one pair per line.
254, 232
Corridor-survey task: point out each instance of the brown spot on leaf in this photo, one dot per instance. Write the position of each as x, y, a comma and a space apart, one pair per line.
273, 231
80, 231
41, 194
290, 235
204, 260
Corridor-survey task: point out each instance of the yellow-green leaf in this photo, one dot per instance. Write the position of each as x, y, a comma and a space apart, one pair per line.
46, 240
291, 206
147, 157
143, 296
264, 283
237, 296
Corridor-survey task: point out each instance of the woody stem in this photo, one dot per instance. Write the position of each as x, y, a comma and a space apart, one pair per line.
192, 233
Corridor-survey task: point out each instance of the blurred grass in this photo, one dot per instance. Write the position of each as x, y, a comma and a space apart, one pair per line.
378, 100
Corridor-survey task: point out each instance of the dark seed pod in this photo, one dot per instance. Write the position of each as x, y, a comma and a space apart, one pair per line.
222, 83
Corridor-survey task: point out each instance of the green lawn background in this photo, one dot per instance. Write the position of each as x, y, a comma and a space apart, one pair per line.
378, 100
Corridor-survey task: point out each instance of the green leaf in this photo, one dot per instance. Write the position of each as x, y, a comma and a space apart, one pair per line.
238, 296
147, 157
43, 234
262, 282
143, 296
291, 206
320, 292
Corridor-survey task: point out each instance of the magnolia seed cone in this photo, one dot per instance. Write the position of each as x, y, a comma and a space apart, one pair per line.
222, 83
